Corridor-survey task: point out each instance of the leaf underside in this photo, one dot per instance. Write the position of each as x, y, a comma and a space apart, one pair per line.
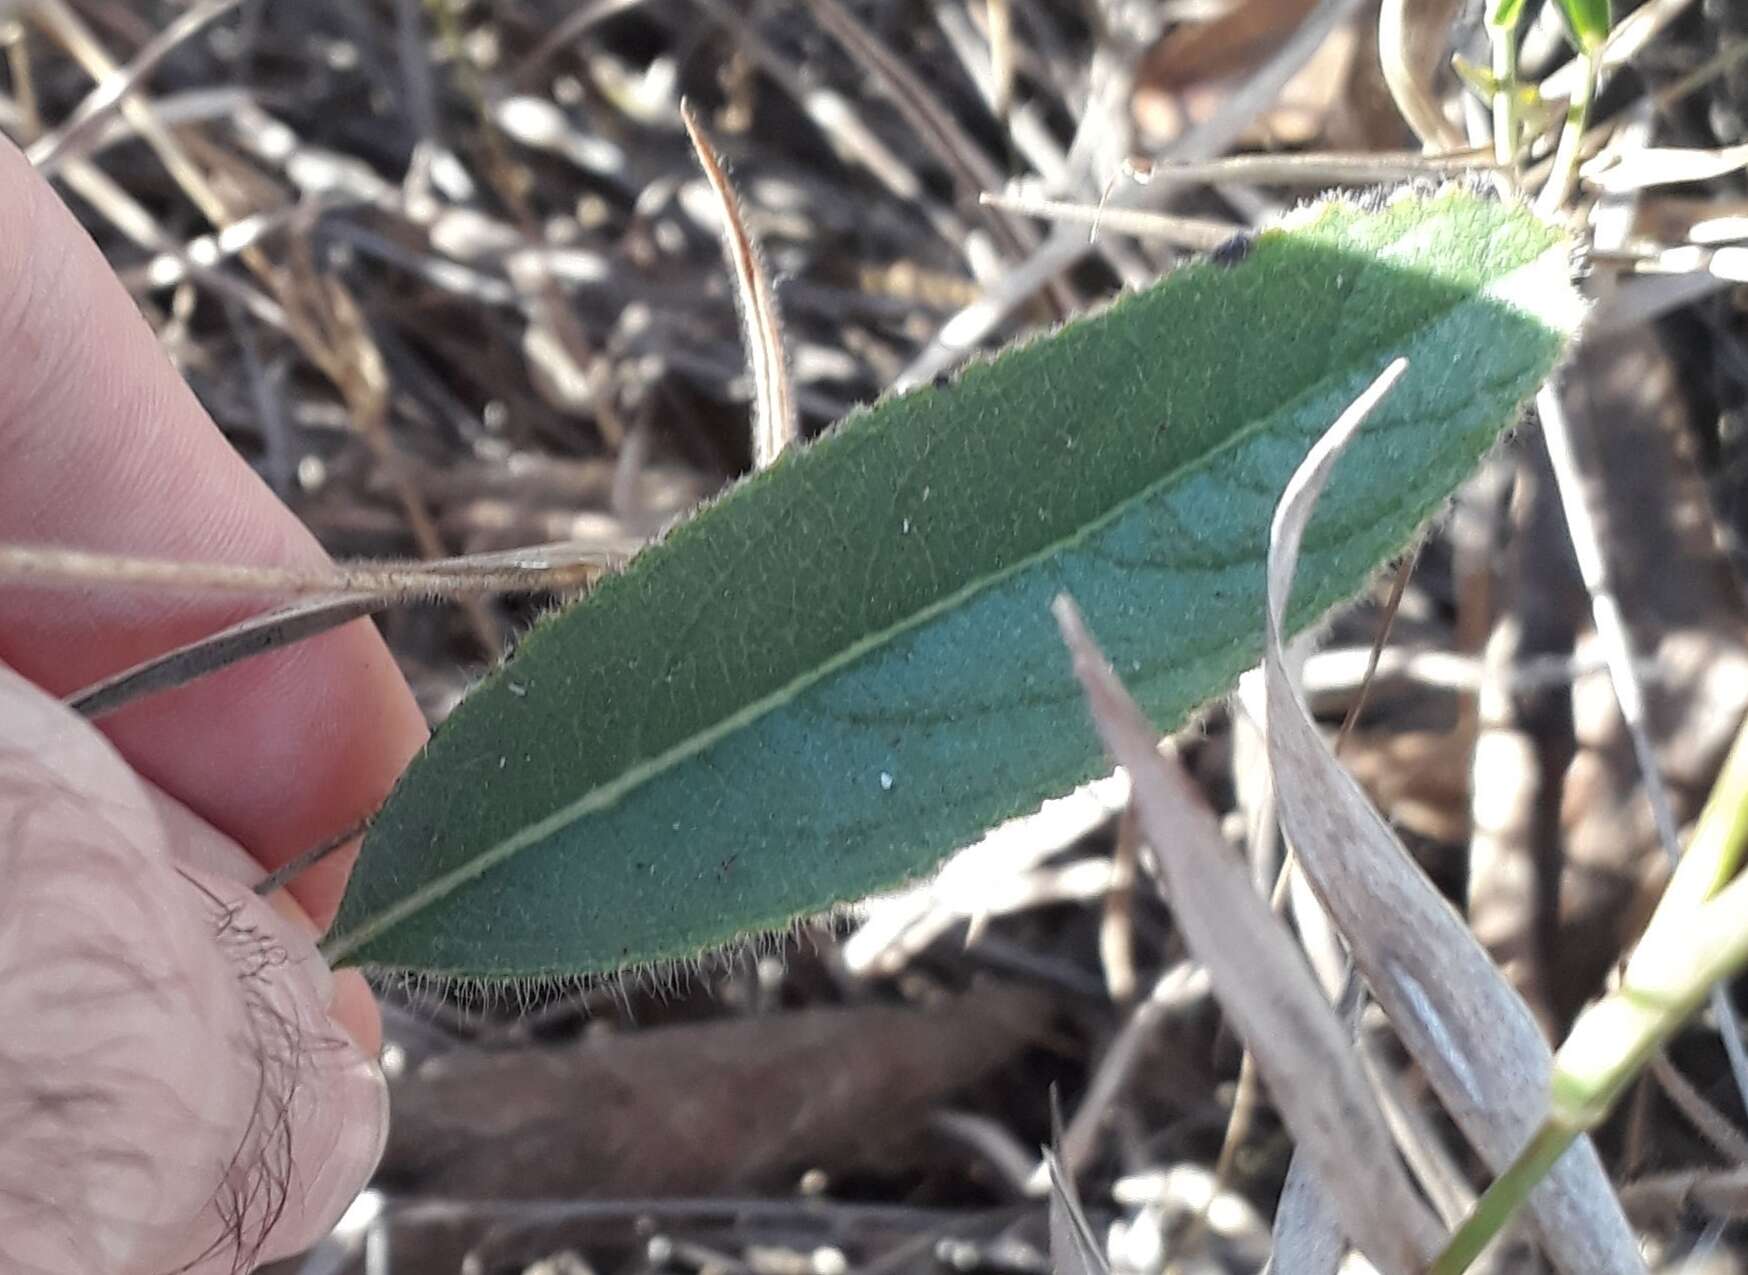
846, 668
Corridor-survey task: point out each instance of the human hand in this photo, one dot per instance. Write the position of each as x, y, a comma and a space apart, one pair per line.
184, 1086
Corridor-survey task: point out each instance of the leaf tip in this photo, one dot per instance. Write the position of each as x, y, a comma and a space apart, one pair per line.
1091, 668
1071, 624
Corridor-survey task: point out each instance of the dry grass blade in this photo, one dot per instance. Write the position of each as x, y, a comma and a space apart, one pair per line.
896, 928
1670, 1199
1179, 989
51, 565
1117, 924
961, 333
851, 139
1263, 86
255, 636
1667, 166
518, 570
775, 422
1074, 1248
1001, 55
337, 334
1307, 1235
1471, 1034
1263, 983
1411, 48
556, 568
937, 130
71, 138
568, 31
1638, 299
934, 124
301, 863
1412, 1120
1713, 1125
64, 25
1198, 234
1324, 168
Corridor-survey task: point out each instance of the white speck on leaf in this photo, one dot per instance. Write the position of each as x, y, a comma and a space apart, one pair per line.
885, 781
517, 689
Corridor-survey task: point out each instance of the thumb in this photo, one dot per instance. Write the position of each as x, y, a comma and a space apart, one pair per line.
174, 1090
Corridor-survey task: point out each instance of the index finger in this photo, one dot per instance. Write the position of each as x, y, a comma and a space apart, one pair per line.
103, 447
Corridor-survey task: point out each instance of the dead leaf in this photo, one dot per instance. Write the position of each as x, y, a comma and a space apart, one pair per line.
698, 1109
1472, 1035
1187, 74
1262, 982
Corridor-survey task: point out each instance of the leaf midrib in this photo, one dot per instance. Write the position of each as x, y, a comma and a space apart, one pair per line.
605, 795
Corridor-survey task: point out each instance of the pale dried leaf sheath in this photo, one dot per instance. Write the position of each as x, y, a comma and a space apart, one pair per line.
1263, 984
1307, 1234
775, 424
1468, 1030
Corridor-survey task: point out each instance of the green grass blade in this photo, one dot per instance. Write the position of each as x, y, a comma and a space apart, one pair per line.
1714, 853
1697, 937
1505, 14
1588, 20
846, 668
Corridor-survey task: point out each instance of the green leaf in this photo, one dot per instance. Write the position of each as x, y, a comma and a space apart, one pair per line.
1504, 14
1588, 20
846, 668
